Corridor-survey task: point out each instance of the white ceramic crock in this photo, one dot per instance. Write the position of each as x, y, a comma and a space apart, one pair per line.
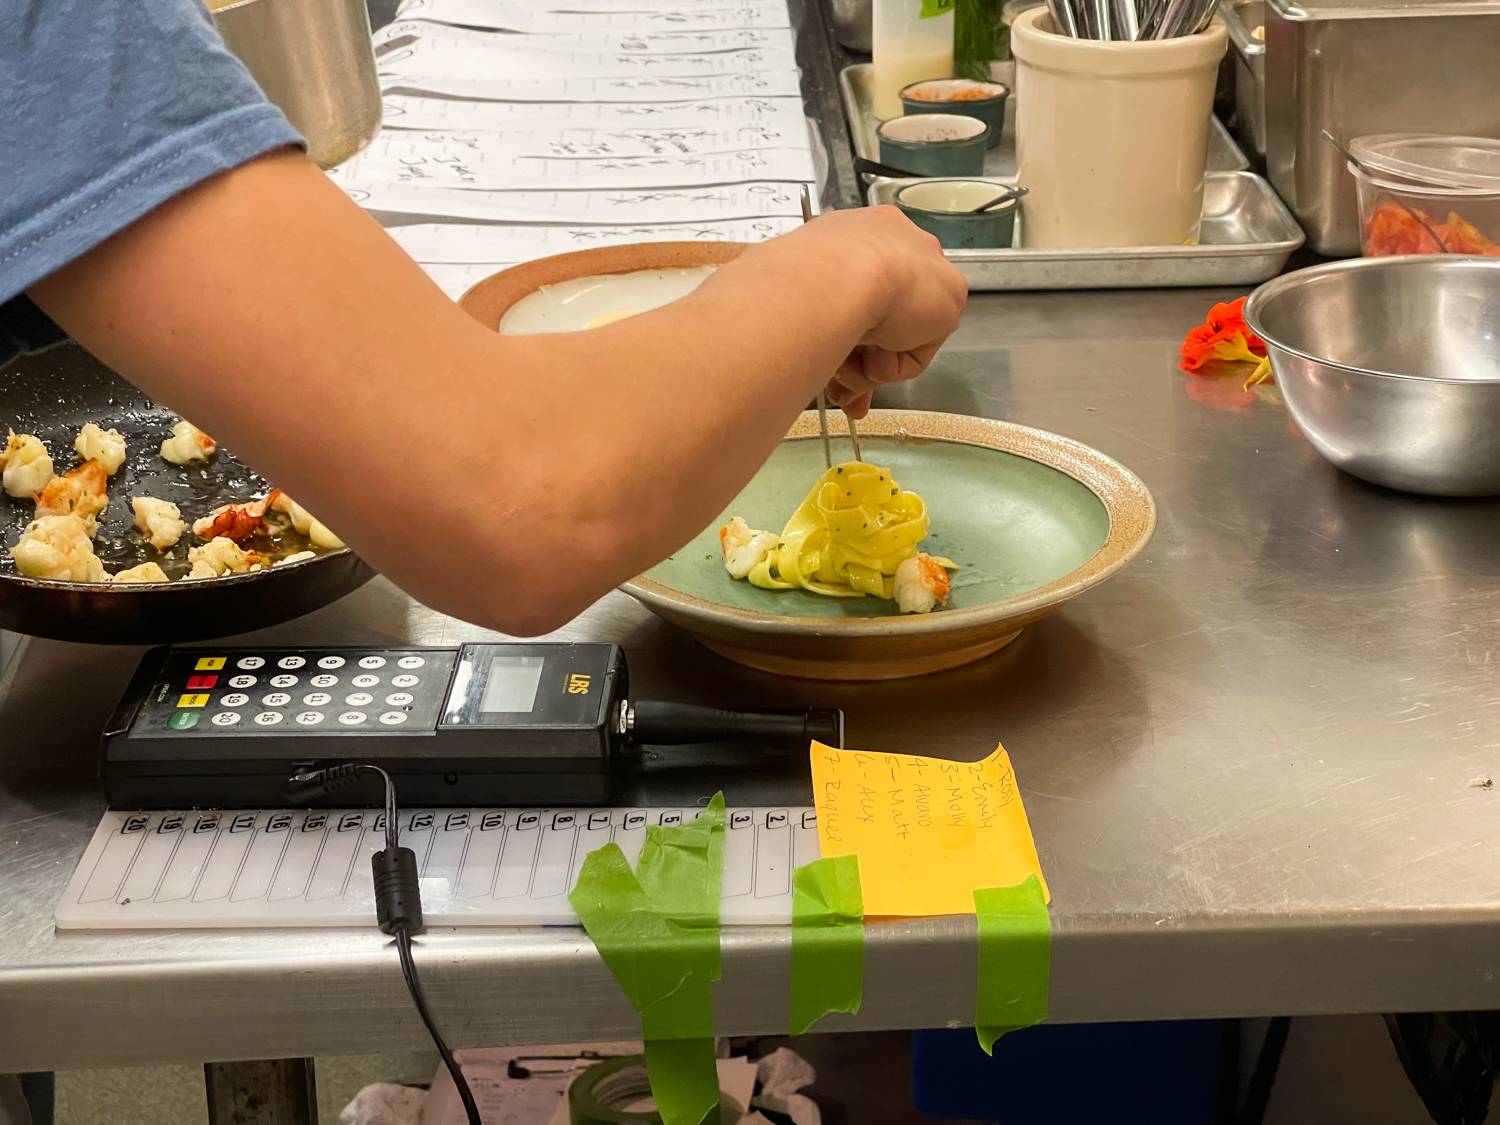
1112, 137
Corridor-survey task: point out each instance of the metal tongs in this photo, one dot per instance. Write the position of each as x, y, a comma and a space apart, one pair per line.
1130, 20
822, 398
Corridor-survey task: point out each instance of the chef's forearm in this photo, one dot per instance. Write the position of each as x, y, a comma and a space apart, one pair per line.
509, 480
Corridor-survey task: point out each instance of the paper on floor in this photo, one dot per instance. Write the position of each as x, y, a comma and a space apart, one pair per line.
506, 1100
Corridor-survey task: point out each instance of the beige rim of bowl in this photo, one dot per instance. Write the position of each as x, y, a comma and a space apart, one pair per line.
489, 300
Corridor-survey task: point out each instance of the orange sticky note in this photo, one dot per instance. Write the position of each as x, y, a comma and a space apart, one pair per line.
928, 832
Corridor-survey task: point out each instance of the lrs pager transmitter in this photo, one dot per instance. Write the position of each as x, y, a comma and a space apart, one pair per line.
484, 724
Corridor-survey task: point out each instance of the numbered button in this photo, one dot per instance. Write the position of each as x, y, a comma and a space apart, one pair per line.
269, 718
397, 699
323, 681
225, 719
283, 681
359, 699
410, 662
352, 718
365, 681
291, 662
393, 718
242, 681
372, 662
405, 681
330, 662
276, 699
235, 699
310, 718
316, 698
250, 663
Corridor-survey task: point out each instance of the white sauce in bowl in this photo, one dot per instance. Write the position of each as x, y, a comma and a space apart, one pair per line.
588, 302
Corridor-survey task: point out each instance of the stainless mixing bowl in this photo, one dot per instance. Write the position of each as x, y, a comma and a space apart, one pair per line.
1391, 367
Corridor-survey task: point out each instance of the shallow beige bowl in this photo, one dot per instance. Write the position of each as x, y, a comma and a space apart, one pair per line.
489, 300
1032, 518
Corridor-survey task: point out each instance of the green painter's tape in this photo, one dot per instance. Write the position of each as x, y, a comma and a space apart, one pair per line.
1015, 959
684, 1079
828, 940
657, 929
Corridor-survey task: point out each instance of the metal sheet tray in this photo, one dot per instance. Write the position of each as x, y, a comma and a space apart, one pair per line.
854, 86
1246, 238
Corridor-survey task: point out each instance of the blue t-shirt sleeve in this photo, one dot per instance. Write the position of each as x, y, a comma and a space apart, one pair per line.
107, 109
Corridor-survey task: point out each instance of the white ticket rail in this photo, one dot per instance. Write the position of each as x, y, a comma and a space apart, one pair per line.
279, 868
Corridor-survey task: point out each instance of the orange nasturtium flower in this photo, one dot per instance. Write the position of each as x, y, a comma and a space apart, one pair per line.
1225, 338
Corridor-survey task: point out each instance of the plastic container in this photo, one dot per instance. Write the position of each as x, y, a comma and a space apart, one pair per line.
945, 209
907, 49
963, 96
1112, 137
934, 144
1450, 184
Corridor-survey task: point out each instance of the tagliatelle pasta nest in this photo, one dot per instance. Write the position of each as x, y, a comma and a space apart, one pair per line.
848, 539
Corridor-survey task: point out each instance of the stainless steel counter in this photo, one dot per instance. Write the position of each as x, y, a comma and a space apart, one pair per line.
1250, 761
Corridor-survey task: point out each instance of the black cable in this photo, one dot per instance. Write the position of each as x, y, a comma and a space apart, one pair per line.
1267, 1063
398, 897
414, 986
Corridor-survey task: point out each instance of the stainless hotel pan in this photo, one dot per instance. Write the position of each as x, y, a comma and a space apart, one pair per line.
1356, 67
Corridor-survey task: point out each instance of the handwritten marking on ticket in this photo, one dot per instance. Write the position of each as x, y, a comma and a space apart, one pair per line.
928, 832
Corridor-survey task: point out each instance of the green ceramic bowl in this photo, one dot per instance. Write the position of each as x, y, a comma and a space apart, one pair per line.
934, 144
957, 95
1032, 519
945, 208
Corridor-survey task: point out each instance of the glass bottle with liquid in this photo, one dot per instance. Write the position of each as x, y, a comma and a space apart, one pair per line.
909, 48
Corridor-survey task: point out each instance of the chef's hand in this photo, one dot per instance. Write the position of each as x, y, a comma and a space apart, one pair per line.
924, 295
870, 366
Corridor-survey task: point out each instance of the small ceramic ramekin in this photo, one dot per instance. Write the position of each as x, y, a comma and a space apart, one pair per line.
934, 144
945, 208
962, 96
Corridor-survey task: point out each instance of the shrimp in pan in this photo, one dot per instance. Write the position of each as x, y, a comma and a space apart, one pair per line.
159, 520
743, 546
79, 492
146, 572
105, 446
236, 521
187, 443
305, 522
921, 584
27, 467
221, 556
58, 547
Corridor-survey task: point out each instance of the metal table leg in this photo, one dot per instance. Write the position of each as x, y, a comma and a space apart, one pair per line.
261, 1092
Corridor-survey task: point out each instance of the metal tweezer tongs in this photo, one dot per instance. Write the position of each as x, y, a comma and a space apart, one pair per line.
822, 399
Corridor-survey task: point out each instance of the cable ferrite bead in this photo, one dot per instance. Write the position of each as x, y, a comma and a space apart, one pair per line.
398, 895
